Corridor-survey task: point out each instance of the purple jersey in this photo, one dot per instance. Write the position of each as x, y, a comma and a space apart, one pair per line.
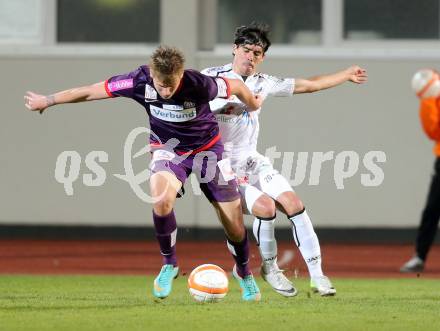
186, 116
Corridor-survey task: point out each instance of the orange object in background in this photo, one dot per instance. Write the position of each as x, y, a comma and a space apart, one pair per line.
430, 119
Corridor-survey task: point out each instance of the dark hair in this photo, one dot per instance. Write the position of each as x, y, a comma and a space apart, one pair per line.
167, 61
253, 34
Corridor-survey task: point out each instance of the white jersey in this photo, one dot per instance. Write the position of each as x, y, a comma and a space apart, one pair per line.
239, 128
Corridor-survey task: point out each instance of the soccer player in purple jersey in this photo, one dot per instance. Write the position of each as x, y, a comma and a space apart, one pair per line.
176, 101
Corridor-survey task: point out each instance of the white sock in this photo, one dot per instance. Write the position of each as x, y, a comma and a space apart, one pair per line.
264, 232
307, 242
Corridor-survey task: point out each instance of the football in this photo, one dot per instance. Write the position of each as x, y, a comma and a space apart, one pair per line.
426, 83
208, 283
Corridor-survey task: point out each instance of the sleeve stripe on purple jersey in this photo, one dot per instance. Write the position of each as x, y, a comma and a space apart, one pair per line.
107, 89
117, 85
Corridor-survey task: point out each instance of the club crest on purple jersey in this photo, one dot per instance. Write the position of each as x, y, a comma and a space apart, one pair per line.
150, 93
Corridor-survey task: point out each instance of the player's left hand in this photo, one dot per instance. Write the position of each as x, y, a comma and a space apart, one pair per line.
357, 74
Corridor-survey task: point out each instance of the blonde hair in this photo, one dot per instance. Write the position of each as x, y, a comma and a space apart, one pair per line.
167, 62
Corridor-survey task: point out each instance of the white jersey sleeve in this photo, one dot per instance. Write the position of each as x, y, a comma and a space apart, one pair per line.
206, 72
221, 73
223, 88
240, 127
280, 87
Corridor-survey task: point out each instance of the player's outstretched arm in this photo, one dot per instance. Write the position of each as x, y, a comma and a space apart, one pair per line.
354, 74
38, 102
239, 89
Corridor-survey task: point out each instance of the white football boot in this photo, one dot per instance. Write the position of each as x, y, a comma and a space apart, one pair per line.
323, 286
272, 274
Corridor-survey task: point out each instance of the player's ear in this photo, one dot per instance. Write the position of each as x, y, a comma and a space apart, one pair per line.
234, 48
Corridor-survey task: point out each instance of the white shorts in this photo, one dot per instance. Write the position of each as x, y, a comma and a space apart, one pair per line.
256, 176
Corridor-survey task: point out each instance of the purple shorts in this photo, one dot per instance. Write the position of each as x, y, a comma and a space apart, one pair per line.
214, 178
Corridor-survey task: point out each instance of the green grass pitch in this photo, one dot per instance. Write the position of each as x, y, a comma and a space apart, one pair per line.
126, 303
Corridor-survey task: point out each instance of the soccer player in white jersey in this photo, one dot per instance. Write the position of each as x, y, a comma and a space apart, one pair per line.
262, 188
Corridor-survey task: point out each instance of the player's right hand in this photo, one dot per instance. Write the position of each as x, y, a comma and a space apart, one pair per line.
357, 74
35, 102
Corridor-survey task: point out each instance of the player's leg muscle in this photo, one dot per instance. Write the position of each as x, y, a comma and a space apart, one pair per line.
289, 203
164, 186
231, 217
263, 207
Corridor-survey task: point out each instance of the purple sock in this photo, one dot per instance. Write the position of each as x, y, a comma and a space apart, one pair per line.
240, 253
166, 231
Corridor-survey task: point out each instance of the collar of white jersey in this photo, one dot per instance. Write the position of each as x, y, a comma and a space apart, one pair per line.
229, 67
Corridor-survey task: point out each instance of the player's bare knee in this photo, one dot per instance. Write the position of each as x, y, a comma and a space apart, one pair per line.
163, 207
264, 207
236, 234
294, 207
290, 203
